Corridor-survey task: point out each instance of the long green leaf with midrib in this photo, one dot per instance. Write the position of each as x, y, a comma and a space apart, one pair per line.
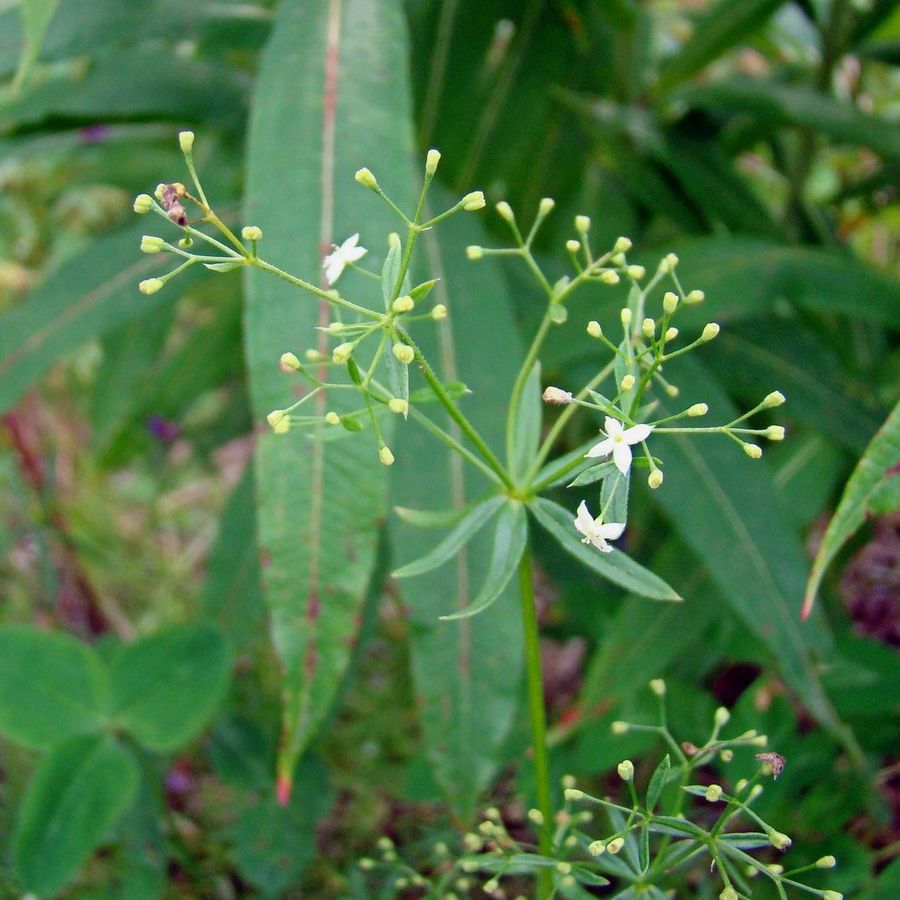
332, 97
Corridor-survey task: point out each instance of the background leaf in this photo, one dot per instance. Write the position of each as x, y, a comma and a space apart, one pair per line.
332, 97
36, 16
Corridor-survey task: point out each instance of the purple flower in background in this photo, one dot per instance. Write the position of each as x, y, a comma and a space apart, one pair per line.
162, 429
94, 134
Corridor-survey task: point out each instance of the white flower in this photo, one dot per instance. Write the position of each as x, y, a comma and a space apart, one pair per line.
618, 442
342, 256
595, 531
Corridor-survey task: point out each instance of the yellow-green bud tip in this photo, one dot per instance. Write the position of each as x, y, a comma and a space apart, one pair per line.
671, 333
694, 297
582, 224
403, 353
668, 262
563, 867
545, 207
779, 841
826, 862
491, 886
714, 793
625, 315
504, 210
473, 201
342, 352
625, 770
648, 327
754, 451
710, 330
722, 716
403, 304
670, 302
636, 272
594, 329
776, 398
431, 161
622, 245
596, 848
251, 233
150, 285
832, 895
573, 794
365, 177
609, 277
290, 362
276, 416
556, 396
572, 245
619, 727
332, 418
366, 863
658, 686
439, 312
728, 893
398, 405
143, 203
698, 409
627, 382
151, 244
727, 755
655, 479
186, 141
473, 251
385, 457
536, 816
775, 432
615, 845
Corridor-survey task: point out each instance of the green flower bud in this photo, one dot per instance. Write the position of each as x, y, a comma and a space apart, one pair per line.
694, 297
152, 244
582, 224
365, 177
596, 848
619, 727
504, 210
251, 233
826, 862
150, 285
626, 770
670, 302
625, 316
572, 245
778, 840
342, 352
473, 201
776, 398
714, 793
636, 272
473, 251
710, 331
385, 456
186, 141
439, 312
671, 333
608, 276
722, 716
754, 452
573, 795
398, 405
143, 203
615, 845
648, 327
775, 432
332, 418
403, 304
655, 479
594, 329
698, 409
289, 361
403, 353
545, 207
432, 159
622, 245
658, 686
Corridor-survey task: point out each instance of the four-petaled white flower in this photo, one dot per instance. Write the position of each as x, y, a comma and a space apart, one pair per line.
618, 442
595, 531
342, 256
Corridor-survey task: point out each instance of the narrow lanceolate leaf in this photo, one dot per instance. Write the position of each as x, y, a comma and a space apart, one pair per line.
455, 541
79, 790
36, 16
510, 535
528, 424
90, 295
880, 462
614, 566
331, 98
467, 673
724, 507
51, 686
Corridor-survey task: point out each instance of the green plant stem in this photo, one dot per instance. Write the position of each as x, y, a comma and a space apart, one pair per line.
538, 718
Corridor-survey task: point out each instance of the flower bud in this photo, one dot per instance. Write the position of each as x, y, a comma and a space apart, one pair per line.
671, 333
826, 862
776, 398
342, 352
473, 251
491, 886
832, 895
403, 303
439, 312
536, 816
186, 141
670, 302
752, 450
366, 863
432, 159
625, 315
710, 331
504, 210
573, 794
572, 245
625, 770
698, 409
335, 327
672, 390
394, 242
636, 272
778, 840
722, 716
727, 755
622, 245
608, 276
545, 207
658, 686
564, 868
596, 848
655, 479
648, 327
617, 259
151, 244
728, 893
332, 418
276, 416
627, 382
150, 285
556, 396
289, 361
251, 233
694, 297
143, 203
619, 727
365, 177
582, 224
385, 457
398, 405
314, 356
594, 329
615, 845
775, 432
668, 262
713, 793
473, 201
403, 353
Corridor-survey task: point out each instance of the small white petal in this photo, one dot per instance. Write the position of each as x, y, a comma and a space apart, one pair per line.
334, 265
637, 433
355, 253
349, 244
585, 521
612, 427
598, 541
622, 457
604, 448
612, 530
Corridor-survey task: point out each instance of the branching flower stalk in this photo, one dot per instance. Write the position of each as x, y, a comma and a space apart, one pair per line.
622, 395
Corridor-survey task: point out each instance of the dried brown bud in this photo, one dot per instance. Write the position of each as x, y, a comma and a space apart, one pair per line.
775, 761
171, 203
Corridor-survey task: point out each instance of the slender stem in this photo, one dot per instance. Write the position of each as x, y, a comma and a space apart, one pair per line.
538, 719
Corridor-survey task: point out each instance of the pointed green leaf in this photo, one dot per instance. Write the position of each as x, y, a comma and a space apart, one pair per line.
332, 96
36, 16
166, 687
510, 534
614, 566
879, 464
79, 790
658, 782
51, 686
456, 540
527, 432
435, 518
